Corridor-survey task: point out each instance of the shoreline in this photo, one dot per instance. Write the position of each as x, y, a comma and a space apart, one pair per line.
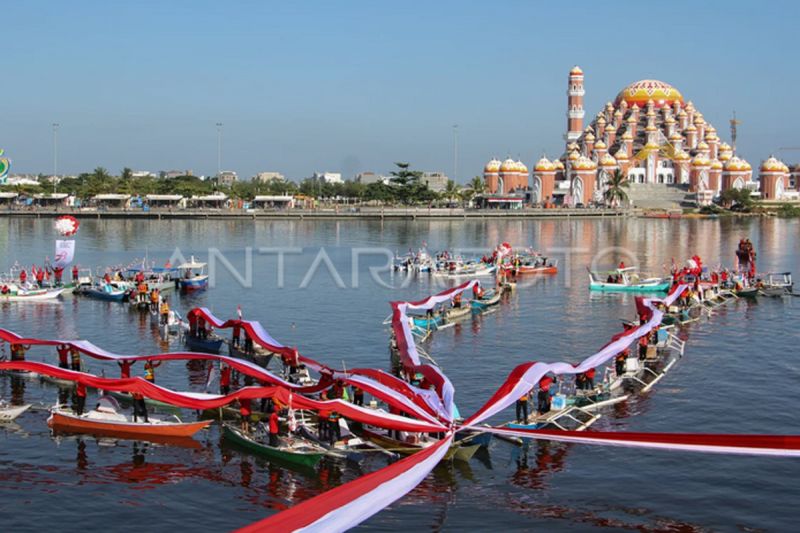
320, 214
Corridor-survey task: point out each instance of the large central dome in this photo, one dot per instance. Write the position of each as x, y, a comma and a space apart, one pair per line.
642, 91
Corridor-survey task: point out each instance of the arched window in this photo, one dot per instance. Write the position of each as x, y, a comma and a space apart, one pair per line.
536, 192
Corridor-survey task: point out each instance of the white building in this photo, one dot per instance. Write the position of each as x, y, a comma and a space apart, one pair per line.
328, 177
142, 174
436, 181
367, 178
269, 177
227, 177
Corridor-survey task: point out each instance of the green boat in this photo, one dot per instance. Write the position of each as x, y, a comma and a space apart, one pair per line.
301, 453
127, 398
626, 280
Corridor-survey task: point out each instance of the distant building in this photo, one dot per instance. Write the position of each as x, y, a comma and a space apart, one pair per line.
22, 179
269, 177
227, 177
170, 174
367, 178
436, 181
328, 177
142, 174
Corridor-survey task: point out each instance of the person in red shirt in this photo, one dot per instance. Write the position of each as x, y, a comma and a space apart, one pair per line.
23, 277
125, 368
75, 274
63, 355
543, 398
621, 265
237, 329
107, 278
139, 408
245, 412
643, 343
274, 429
80, 398
590, 378
225, 379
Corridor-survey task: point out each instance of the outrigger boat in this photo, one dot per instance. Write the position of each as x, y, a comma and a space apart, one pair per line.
210, 344
626, 280
160, 278
530, 264
293, 450
492, 297
109, 292
456, 269
415, 442
10, 412
105, 420
15, 293
776, 284
644, 374
193, 276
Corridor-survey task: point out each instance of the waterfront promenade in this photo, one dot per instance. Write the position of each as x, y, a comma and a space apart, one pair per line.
370, 213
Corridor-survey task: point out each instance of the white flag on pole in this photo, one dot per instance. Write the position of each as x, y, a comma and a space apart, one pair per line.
65, 253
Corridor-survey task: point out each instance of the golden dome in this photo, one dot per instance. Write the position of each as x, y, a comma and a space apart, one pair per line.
618, 113
584, 163
735, 164
702, 145
631, 119
608, 161
558, 164
600, 145
576, 71
544, 165
640, 92
700, 161
610, 128
716, 164
627, 135
772, 165
711, 135
589, 137
573, 155
691, 127
621, 155
509, 165
522, 167
651, 146
681, 156
785, 168
669, 120
572, 146
650, 127
724, 156
492, 166
725, 147
682, 113
675, 136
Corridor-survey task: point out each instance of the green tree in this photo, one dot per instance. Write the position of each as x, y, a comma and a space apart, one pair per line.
615, 194
407, 183
477, 185
126, 174
737, 199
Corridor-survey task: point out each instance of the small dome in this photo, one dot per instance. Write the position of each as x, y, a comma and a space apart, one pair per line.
700, 161
735, 164
600, 145
576, 71
621, 155
631, 119
669, 120
691, 127
650, 127
573, 155
681, 156
589, 137
702, 145
492, 166
610, 128
724, 156
785, 168
675, 136
716, 164
509, 165
725, 147
627, 136
584, 163
558, 164
608, 161
618, 113
572, 146
522, 167
544, 165
682, 113
772, 165
711, 135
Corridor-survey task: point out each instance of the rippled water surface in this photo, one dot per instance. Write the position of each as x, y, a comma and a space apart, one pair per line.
739, 374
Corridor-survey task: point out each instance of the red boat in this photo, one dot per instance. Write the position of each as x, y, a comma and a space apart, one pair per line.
110, 423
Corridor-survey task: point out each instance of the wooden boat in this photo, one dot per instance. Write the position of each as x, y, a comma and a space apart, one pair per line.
292, 450
381, 437
163, 279
747, 292
8, 412
211, 344
193, 276
107, 292
489, 299
457, 269
127, 398
106, 421
629, 280
19, 294
454, 313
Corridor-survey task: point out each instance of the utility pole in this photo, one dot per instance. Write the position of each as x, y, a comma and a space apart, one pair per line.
55, 155
734, 124
219, 149
455, 153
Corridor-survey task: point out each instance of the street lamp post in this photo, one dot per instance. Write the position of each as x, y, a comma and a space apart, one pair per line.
55, 155
455, 153
219, 149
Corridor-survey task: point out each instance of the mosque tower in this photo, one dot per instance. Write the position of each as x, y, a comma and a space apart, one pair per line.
575, 111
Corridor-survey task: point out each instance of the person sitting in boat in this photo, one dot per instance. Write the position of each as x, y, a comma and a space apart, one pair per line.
80, 398
201, 327
150, 370
18, 351
163, 312
107, 278
245, 412
154, 298
75, 359
457, 301
139, 408
543, 397
580, 381
621, 265
522, 408
224, 379
63, 355
125, 368
589, 378
274, 429
235, 337
192, 324
610, 278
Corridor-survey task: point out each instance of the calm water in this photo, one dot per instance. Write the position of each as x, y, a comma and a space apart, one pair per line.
739, 374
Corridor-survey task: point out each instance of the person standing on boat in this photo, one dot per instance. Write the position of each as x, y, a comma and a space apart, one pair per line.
589, 379
75, 274
274, 429
163, 312
63, 356
80, 398
18, 352
125, 368
543, 398
139, 408
150, 370
75, 359
522, 408
224, 379
23, 277
248, 343
245, 412
619, 361
358, 396
334, 427
40, 277
201, 327
322, 424
237, 330
192, 324
621, 265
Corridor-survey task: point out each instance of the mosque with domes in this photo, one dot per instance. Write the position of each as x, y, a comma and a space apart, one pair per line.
651, 135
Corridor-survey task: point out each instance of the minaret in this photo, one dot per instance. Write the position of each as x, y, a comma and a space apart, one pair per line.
575, 111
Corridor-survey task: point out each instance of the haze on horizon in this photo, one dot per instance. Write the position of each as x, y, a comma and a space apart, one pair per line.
313, 86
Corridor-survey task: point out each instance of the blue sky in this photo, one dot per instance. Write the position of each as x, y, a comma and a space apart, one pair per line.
352, 86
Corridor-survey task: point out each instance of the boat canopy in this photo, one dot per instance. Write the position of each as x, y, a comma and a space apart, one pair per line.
192, 264
111, 197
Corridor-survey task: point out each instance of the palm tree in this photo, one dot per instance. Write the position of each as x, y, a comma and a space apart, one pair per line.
477, 185
615, 194
451, 190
